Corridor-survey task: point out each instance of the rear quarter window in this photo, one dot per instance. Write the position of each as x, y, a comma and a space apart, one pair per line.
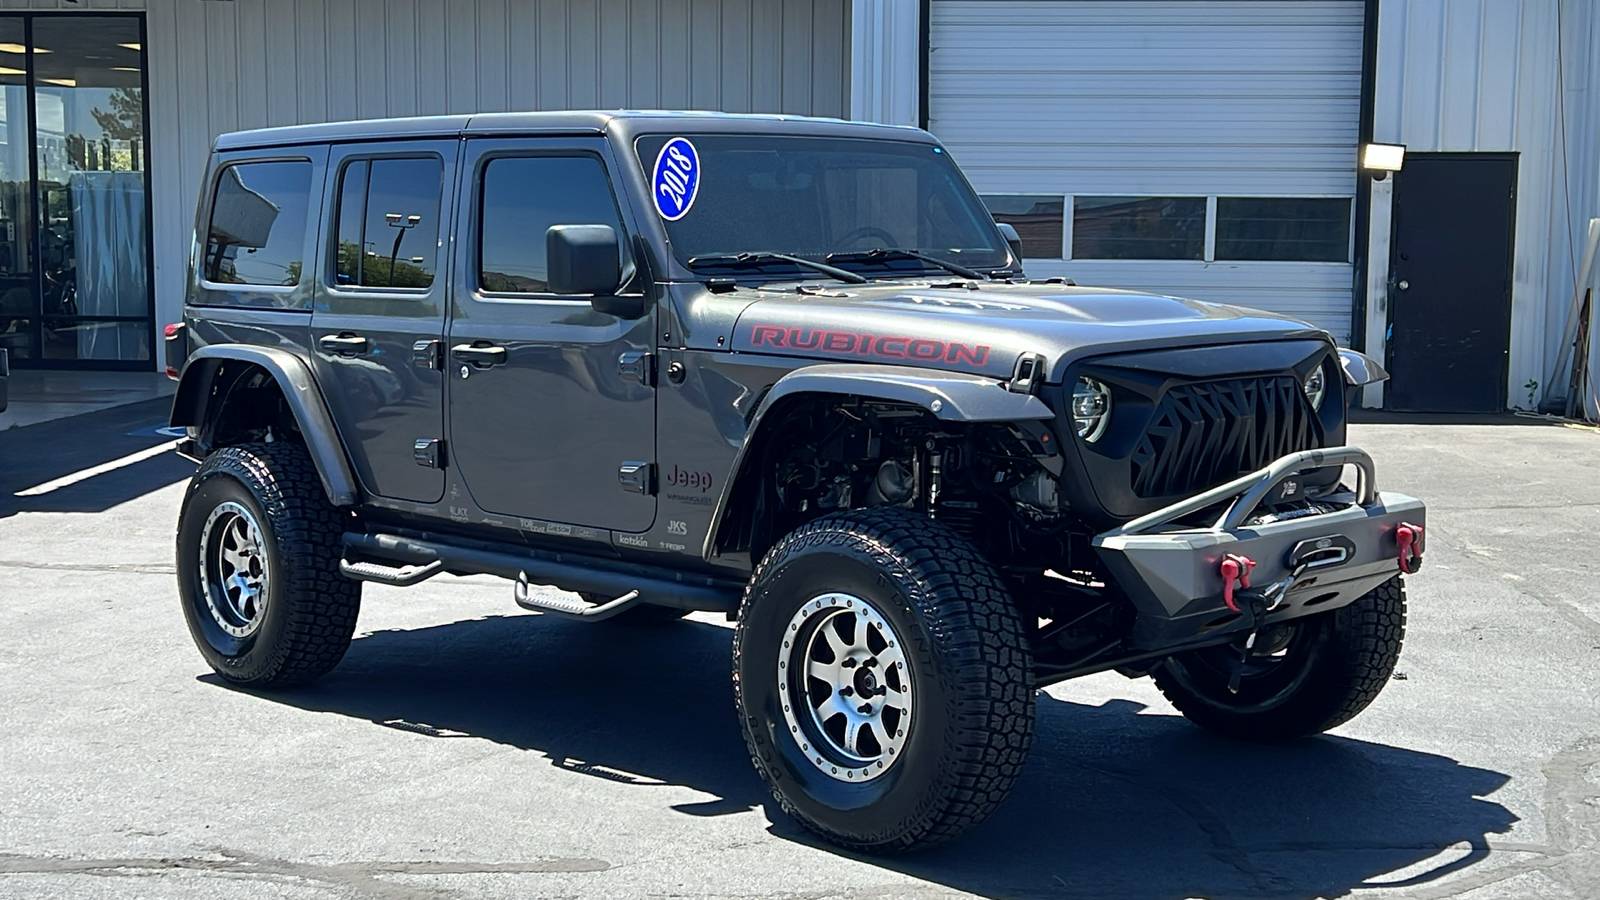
256, 233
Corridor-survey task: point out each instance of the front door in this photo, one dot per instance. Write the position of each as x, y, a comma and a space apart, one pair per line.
379, 314
548, 401
1450, 309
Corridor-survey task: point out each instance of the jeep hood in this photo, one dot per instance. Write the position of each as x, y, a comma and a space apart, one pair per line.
984, 328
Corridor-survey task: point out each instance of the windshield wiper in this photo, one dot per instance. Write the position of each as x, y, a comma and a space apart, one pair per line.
756, 260
885, 253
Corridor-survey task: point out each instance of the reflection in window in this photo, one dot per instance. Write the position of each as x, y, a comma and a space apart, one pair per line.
1039, 220
1313, 229
258, 224
389, 222
522, 197
1138, 228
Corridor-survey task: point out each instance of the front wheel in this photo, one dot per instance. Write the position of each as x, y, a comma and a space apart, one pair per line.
1301, 678
883, 680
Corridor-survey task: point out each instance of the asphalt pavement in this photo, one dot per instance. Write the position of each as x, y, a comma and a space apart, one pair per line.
468, 749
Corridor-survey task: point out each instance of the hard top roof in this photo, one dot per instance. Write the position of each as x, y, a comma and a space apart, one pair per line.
624, 123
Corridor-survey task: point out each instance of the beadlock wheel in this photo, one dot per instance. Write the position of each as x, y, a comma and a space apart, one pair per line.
234, 569
846, 687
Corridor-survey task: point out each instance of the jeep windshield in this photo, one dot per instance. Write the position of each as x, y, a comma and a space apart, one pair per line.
738, 204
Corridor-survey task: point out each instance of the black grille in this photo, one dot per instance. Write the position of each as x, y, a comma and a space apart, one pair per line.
1204, 434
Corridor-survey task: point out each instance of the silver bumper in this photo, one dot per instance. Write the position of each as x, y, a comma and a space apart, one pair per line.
1173, 572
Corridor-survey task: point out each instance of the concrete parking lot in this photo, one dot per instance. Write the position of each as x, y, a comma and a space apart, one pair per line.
467, 749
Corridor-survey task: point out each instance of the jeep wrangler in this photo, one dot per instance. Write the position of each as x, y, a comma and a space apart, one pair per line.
785, 369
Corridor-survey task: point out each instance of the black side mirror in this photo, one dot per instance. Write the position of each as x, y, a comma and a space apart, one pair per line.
1013, 240
583, 259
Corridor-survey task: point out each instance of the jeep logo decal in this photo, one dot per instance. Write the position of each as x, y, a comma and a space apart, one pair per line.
858, 344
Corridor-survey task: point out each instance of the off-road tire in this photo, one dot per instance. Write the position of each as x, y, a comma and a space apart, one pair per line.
1355, 647
971, 677
645, 615
310, 609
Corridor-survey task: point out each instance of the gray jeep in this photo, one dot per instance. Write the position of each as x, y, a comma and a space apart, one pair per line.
784, 369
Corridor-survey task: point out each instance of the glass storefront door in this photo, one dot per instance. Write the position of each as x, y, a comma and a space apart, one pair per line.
74, 214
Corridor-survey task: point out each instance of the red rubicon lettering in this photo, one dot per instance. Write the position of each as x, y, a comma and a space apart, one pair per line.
767, 335
885, 346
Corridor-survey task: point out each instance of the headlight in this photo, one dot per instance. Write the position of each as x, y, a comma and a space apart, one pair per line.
1091, 408
1315, 385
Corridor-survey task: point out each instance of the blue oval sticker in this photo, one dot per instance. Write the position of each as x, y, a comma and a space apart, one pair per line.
676, 179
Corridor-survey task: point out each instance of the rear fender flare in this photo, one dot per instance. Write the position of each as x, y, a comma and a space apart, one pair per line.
190, 407
948, 396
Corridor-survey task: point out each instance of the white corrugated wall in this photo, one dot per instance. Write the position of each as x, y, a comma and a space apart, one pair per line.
217, 67
1177, 98
1507, 75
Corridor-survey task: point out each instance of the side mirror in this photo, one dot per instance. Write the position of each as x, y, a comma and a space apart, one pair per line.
1013, 240
583, 259
1360, 369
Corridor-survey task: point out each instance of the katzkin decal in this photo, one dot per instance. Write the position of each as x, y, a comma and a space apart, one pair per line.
676, 180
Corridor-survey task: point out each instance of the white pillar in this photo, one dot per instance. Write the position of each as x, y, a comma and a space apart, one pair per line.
885, 61
1379, 225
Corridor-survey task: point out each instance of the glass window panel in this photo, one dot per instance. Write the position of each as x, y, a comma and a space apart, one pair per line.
19, 303
89, 139
88, 339
400, 236
1040, 221
258, 223
522, 197
1139, 228
1313, 229
16, 332
349, 255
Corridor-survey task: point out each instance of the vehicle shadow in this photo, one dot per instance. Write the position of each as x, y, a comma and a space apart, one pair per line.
1112, 803
35, 455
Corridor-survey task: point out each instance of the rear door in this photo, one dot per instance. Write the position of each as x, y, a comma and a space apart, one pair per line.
379, 310
549, 399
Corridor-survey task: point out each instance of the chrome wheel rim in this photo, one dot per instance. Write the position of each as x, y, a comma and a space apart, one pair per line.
845, 683
233, 569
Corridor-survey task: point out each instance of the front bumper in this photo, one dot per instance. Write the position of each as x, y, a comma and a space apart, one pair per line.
1173, 573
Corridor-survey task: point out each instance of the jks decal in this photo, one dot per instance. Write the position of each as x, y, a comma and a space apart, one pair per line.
858, 344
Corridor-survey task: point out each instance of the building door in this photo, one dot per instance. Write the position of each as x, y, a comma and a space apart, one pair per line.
1450, 296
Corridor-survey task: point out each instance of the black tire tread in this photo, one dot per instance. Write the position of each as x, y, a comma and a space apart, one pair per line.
978, 629
321, 604
1366, 641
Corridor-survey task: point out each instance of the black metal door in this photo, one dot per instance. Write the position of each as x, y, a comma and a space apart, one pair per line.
1450, 309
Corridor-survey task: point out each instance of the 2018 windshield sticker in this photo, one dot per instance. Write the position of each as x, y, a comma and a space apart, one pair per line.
677, 179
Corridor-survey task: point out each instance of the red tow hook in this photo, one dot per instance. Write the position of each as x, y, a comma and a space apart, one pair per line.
1409, 537
1235, 574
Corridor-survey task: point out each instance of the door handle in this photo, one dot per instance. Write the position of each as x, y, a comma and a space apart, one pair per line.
479, 356
346, 344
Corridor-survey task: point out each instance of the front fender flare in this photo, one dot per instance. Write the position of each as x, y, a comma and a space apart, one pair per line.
948, 396
310, 411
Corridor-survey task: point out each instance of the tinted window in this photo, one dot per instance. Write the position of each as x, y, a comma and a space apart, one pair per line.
522, 197
1284, 228
258, 224
1040, 221
1139, 228
388, 224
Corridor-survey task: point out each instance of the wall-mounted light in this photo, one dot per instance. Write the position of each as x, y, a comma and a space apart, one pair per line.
1381, 159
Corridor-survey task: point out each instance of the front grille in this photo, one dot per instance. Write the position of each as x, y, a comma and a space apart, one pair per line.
1204, 434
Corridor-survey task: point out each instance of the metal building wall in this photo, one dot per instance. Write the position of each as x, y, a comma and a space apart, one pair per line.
1503, 75
217, 67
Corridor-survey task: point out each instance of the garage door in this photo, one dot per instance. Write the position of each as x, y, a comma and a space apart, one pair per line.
1203, 149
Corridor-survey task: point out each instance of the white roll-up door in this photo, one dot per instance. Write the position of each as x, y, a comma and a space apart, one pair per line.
1197, 148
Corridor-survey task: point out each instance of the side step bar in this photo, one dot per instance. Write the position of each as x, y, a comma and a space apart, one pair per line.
572, 609
568, 571
398, 576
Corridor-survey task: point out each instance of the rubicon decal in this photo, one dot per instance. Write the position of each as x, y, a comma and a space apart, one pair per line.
857, 343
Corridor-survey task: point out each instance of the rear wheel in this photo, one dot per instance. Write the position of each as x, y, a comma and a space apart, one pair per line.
258, 567
1301, 678
883, 680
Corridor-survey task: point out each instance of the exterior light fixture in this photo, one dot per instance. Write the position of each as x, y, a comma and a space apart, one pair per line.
1381, 159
